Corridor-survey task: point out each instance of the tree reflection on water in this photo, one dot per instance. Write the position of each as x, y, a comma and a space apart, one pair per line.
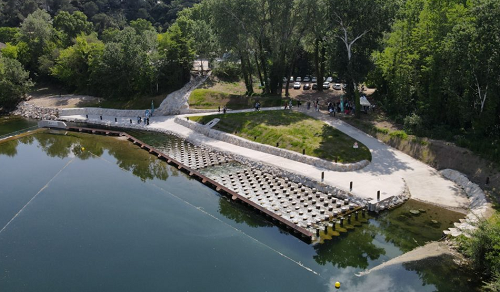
62, 144
352, 249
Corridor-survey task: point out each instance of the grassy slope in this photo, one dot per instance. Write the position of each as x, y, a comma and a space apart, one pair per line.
214, 93
293, 131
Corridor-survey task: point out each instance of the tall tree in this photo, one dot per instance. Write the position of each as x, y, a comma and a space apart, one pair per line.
14, 82
71, 25
37, 32
359, 26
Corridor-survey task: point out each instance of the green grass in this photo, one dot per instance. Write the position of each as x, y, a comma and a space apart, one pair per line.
293, 131
212, 99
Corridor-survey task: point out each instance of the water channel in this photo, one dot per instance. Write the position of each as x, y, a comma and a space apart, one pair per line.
82, 212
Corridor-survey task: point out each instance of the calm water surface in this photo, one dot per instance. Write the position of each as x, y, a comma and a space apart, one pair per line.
92, 213
9, 124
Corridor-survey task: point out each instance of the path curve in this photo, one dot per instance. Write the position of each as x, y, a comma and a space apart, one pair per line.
387, 172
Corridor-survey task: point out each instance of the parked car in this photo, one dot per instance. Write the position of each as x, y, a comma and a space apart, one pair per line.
296, 85
307, 79
344, 86
315, 86
284, 79
307, 86
291, 78
326, 85
314, 79
329, 79
299, 79
337, 86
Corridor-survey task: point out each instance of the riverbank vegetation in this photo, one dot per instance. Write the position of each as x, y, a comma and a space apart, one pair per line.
483, 248
292, 131
438, 72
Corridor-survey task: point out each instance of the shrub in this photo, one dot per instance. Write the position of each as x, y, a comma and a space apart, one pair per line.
382, 130
399, 134
412, 123
483, 248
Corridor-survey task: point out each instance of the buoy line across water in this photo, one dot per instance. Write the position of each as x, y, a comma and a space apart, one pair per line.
218, 219
43, 188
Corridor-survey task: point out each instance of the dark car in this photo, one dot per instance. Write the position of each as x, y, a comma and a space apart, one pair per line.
307, 86
315, 86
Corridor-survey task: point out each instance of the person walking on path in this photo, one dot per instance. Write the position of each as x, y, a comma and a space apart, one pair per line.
224, 109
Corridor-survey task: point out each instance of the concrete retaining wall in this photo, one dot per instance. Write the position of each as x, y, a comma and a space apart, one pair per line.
215, 134
97, 111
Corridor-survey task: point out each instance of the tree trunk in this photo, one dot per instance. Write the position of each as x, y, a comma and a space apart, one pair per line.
321, 68
267, 88
201, 66
244, 71
316, 61
258, 70
250, 79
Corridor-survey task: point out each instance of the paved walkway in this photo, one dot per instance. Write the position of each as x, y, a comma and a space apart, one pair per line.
387, 172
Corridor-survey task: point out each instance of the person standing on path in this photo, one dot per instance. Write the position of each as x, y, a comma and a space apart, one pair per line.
224, 109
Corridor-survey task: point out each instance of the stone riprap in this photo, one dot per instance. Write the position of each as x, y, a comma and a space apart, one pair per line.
479, 208
222, 136
35, 112
177, 102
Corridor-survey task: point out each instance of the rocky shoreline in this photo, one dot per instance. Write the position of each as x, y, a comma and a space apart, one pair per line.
31, 111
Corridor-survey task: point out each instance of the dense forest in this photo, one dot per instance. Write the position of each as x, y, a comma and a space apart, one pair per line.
117, 59
435, 64
102, 13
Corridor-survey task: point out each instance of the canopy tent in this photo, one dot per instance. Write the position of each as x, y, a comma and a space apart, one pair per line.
363, 101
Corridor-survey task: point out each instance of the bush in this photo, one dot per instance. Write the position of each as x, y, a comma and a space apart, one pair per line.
412, 123
382, 130
399, 134
483, 248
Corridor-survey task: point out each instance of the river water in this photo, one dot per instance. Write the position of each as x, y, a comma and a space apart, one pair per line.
82, 212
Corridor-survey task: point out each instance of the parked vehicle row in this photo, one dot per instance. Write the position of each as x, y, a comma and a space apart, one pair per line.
326, 85
311, 79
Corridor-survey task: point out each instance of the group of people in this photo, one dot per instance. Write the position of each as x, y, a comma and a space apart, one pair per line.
288, 105
146, 118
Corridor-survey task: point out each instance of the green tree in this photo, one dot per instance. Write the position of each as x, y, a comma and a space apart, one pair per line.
71, 25
177, 57
14, 82
8, 34
73, 64
37, 32
358, 27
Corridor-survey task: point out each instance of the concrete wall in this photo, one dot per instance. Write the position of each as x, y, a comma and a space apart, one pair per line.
96, 111
222, 136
